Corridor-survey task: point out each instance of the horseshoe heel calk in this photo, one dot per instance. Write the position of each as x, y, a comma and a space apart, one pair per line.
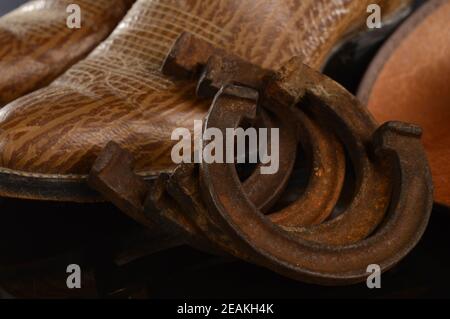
413, 187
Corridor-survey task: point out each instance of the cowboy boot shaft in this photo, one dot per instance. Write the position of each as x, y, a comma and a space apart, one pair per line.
118, 92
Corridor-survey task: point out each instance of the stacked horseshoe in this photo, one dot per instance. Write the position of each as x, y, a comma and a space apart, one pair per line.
209, 207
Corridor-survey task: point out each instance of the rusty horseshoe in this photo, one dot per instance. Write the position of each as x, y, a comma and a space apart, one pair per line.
211, 208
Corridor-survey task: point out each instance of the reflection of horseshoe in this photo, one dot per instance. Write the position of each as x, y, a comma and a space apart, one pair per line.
278, 248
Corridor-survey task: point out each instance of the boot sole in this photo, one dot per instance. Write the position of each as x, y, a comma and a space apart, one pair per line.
52, 187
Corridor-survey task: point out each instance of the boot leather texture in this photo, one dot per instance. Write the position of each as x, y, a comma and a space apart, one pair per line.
118, 93
36, 45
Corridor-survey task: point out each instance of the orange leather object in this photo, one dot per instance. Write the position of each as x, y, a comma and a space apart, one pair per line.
410, 81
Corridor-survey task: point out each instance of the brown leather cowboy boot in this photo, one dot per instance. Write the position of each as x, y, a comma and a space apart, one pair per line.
36, 44
50, 138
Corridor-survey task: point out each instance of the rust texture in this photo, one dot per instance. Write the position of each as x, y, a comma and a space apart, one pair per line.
209, 207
